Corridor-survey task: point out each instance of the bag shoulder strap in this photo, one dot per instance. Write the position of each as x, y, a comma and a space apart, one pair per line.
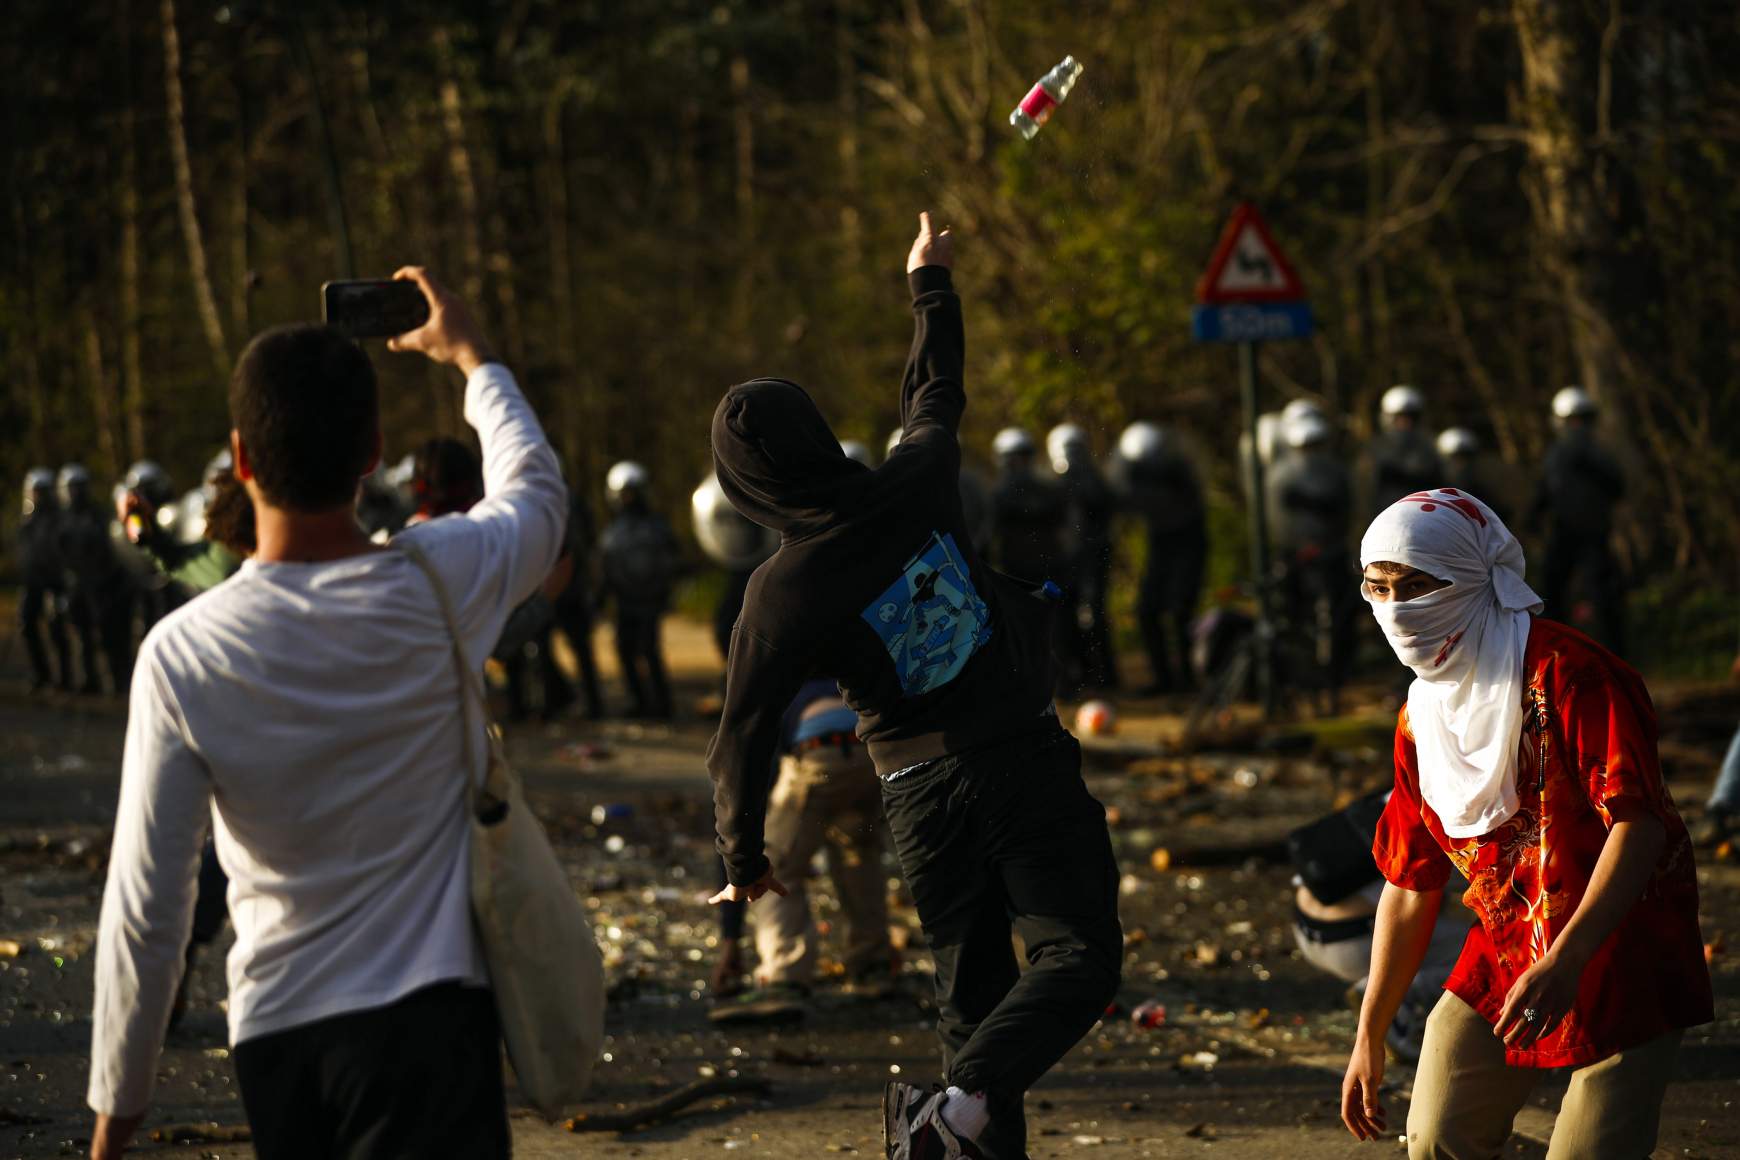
470, 680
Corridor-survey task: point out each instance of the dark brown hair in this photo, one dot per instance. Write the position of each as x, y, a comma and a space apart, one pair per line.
304, 399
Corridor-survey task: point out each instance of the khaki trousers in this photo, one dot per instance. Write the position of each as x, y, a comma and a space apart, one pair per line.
828, 798
1466, 1096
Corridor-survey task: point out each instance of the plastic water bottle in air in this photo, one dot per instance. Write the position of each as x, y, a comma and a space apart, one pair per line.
1036, 107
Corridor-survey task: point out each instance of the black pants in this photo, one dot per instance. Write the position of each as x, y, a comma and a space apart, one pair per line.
1572, 554
415, 1079
1099, 668
102, 619
574, 619
210, 904
1171, 584
40, 608
115, 626
1320, 597
1008, 836
730, 913
81, 617
641, 657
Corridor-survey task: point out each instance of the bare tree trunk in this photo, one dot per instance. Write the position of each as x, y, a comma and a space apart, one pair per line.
132, 373
103, 401
743, 134
189, 210
502, 274
241, 279
689, 201
35, 399
1380, 355
851, 185
1500, 409
1577, 237
464, 171
573, 399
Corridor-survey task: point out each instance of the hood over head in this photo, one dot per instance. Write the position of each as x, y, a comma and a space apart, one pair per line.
778, 461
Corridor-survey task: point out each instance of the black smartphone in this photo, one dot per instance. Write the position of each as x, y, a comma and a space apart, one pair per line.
373, 307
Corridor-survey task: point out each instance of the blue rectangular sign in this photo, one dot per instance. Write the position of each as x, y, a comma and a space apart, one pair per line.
1251, 322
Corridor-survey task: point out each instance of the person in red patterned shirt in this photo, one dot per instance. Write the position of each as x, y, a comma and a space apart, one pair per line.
1526, 759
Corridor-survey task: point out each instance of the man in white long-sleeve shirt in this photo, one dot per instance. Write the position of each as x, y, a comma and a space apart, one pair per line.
308, 710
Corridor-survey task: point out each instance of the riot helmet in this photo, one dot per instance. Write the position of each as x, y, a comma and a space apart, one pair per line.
728, 537
400, 474
73, 484
1402, 406
1573, 403
1068, 447
217, 467
1142, 442
1012, 445
625, 484
856, 451
1298, 408
1305, 429
1457, 441
150, 482
38, 488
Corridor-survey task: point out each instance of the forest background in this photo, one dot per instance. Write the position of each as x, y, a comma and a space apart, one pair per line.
651, 199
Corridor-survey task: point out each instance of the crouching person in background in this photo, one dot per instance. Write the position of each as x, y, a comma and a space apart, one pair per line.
304, 710
826, 796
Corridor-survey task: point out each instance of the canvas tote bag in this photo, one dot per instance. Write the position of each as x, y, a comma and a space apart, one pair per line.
544, 964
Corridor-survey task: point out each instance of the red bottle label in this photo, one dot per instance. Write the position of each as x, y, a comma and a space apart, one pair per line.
1038, 103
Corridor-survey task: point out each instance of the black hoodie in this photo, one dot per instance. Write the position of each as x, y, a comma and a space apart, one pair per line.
875, 583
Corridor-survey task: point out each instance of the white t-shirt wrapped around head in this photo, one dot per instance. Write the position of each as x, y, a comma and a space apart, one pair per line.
1465, 643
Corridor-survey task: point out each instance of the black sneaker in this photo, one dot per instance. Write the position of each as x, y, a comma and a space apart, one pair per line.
877, 980
913, 1127
775, 1003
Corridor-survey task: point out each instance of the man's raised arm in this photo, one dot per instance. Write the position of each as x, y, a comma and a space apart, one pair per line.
518, 526
931, 394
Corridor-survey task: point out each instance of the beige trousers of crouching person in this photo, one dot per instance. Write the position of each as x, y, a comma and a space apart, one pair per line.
1466, 1096
825, 797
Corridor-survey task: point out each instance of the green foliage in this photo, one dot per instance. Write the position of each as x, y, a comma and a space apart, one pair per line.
651, 200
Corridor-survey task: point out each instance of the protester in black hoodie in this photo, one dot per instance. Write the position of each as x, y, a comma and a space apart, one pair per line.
948, 666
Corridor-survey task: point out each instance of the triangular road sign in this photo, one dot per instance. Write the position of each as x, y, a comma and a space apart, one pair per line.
1247, 265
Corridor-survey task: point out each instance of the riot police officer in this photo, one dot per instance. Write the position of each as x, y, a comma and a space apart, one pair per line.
640, 569
1458, 449
1030, 512
574, 611
1091, 505
191, 509
1158, 482
733, 542
1401, 458
1311, 496
44, 584
146, 492
1581, 483
975, 500
99, 594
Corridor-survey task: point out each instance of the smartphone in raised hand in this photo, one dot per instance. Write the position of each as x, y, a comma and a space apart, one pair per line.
373, 307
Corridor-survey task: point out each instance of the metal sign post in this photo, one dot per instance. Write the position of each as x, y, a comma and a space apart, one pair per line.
1250, 294
1259, 517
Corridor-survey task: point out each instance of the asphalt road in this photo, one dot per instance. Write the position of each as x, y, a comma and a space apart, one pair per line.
1247, 1064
